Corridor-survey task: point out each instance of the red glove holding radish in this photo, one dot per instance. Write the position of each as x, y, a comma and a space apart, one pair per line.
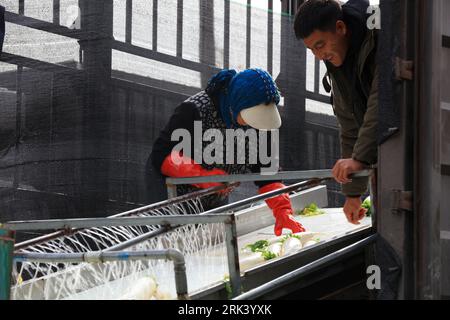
282, 210
178, 166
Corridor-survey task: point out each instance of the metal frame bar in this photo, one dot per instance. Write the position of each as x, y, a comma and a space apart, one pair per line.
131, 242
38, 65
325, 128
310, 267
317, 97
101, 257
242, 203
64, 224
179, 50
226, 35
233, 256
155, 26
21, 7
282, 175
147, 90
41, 25
56, 12
129, 21
162, 57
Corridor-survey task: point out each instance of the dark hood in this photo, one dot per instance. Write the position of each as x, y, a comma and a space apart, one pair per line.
356, 9
355, 17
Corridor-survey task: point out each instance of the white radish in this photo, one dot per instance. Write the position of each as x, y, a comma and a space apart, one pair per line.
275, 248
144, 289
291, 245
250, 260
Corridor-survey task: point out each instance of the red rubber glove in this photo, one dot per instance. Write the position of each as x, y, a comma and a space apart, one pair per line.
282, 210
178, 166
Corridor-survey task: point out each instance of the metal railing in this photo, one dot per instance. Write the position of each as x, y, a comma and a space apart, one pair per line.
316, 176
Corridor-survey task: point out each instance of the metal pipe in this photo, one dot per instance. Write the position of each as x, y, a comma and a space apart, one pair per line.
101, 257
310, 267
171, 191
6, 261
109, 222
282, 175
143, 237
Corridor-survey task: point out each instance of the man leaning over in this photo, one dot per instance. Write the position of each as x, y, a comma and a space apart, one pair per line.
338, 35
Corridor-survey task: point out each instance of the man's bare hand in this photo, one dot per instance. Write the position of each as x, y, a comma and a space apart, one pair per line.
353, 210
344, 167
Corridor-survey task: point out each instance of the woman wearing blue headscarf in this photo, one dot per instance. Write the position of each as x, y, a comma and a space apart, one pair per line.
232, 100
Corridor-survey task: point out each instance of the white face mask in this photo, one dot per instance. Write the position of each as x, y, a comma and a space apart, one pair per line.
262, 116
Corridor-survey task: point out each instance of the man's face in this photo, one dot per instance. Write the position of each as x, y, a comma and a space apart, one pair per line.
329, 46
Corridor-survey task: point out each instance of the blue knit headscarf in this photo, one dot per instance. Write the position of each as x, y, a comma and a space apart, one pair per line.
239, 91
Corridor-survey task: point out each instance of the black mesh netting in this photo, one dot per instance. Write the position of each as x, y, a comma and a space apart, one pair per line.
80, 108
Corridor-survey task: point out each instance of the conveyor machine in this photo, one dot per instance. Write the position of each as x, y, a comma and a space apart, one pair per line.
176, 250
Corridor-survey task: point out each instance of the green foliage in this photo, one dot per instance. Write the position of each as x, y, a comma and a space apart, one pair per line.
258, 245
261, 246
268, 255
367, 204
310, 210
226, 280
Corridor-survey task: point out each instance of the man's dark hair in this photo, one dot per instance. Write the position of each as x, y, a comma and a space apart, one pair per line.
317, 15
